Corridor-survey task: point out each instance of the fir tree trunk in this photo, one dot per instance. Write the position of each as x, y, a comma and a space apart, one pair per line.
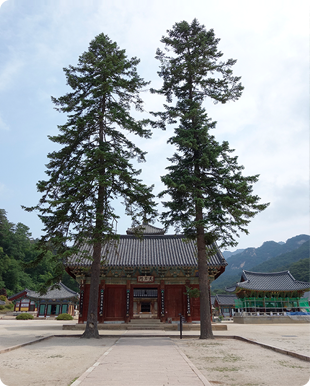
91, 330
205, 314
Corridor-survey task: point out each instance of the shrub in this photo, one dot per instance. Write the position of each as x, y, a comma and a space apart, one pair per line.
64, 317
9, 306
1, 307
24, 316
3, 298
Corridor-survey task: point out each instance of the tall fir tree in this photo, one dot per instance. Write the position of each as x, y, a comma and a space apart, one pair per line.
94, 165
210, 200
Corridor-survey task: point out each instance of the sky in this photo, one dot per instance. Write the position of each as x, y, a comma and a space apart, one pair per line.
268, 126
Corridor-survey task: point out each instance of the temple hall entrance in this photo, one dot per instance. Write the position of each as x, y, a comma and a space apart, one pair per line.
145, 303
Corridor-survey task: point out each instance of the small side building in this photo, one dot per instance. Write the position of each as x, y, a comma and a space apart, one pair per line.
22, 303
61, 300
225, 304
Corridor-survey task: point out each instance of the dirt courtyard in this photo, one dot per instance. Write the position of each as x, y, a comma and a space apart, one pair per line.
59, 361
230, 362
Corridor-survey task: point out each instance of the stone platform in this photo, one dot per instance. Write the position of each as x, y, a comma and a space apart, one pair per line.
147, 324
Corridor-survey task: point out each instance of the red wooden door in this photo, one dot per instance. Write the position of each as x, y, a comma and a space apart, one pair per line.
115, 302
174, 301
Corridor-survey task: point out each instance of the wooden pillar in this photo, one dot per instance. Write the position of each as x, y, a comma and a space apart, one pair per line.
162, 301
81, 305
210, 301
128, 305
188, 304
101, 302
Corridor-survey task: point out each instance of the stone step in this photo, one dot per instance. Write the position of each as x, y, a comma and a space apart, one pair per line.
145, 327
144, 321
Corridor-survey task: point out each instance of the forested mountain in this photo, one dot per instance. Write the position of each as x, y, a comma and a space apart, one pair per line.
284, 261
270, 257
17, 248
228, 254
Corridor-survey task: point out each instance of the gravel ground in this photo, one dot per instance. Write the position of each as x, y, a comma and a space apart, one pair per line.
229, 362
59, 361
52, 362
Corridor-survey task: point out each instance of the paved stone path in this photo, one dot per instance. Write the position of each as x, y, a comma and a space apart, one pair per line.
141, 362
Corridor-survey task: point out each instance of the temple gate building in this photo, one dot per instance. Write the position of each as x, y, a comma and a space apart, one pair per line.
149, 277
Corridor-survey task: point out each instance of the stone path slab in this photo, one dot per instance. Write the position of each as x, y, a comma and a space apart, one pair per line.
143, 361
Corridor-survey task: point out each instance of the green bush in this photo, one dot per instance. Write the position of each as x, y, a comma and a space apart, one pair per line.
3, 298
9, 306
64, 317
1, 307
24, 316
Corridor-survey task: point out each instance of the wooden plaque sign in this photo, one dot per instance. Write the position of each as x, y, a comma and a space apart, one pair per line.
146, 279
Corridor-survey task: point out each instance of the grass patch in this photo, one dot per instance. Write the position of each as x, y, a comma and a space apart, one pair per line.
231, 358
73, 381
56, 356
287, 364
225, 369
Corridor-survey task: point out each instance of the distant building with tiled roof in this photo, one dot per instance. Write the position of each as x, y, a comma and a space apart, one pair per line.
146, 229
160, 265
60, 299
225, 304
269, 282
269, 292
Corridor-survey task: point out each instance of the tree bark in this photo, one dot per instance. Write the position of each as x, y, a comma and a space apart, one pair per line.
91, 330
205, 314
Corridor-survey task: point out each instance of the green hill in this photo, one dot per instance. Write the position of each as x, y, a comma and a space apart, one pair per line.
284, 261
270, 257
17, 248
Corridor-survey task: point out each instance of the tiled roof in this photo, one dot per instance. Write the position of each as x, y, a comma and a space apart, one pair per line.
149, 251
227, 300
146, 229
62, 293
18, 295
274, 281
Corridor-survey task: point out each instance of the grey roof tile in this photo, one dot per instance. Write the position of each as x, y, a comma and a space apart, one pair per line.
223, 299
271, 281
147, 229
149, 251
62, 293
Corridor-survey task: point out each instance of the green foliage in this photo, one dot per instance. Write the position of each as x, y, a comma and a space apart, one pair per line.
64, 317
16, 273
2, 307
192, 292
209, 195
300, 270
93, 166
3, 298
24, 316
